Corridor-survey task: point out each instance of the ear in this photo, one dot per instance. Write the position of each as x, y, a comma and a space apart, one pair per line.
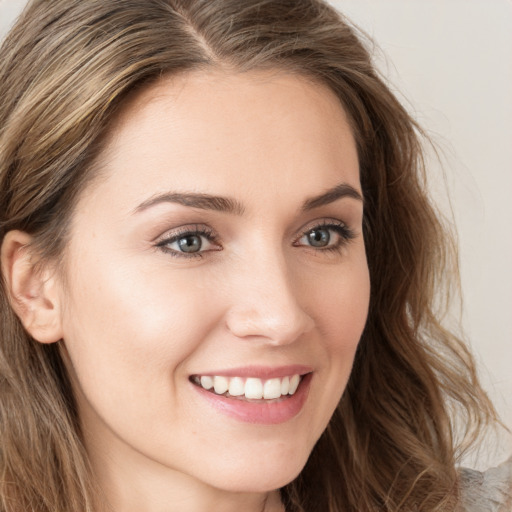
32, 291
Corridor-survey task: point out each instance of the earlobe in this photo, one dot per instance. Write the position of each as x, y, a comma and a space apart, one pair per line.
32, 291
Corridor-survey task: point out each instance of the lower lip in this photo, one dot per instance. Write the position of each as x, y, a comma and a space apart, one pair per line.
268, 413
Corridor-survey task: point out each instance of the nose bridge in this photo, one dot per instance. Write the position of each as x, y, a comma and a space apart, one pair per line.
267, 304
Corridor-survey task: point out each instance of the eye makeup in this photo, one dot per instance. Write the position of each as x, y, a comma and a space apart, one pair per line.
194, 241
189, 241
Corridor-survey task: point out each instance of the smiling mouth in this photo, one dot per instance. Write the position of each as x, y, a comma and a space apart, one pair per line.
249, 388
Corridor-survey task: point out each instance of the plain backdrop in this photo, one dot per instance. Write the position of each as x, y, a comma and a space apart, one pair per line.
450, 62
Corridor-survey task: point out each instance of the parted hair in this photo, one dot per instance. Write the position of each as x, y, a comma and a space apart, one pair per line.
65, 69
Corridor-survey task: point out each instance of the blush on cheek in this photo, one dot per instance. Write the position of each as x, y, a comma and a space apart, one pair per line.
346, 321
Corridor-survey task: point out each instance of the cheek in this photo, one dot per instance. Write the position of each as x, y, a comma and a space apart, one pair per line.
125, 324
341, 303
348, 320
129, 332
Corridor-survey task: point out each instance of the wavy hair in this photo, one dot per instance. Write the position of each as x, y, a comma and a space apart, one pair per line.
65, 69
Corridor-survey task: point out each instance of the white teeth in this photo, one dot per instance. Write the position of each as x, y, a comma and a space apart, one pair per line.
206, 382
252, 387
236, 386
285, 386
294, 383
220, 385
272, 389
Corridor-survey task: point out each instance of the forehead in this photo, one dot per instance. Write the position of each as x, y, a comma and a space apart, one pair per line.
225, 132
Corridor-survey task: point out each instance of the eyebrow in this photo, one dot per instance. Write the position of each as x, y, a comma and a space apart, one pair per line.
229, 205
201, 201
333, 194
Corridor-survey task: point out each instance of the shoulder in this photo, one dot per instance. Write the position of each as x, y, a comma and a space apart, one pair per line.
487, 491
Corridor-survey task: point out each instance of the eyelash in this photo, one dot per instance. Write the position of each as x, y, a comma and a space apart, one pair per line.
342, 230
184, 232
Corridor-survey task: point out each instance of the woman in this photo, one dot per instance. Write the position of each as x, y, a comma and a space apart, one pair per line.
195, 198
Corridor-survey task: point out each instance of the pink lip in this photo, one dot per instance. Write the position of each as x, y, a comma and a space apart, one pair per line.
262, 372
260, 412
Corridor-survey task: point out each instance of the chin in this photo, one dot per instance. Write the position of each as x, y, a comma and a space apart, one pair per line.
258, 476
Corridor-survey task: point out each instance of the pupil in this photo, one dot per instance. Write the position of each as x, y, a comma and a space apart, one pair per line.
191, 243
319, 237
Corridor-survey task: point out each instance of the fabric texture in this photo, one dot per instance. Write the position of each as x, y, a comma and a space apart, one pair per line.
487, 491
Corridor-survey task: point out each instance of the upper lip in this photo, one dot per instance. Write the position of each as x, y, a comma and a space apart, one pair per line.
261, 372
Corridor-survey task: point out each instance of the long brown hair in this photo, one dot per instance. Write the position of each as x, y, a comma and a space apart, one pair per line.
66, 67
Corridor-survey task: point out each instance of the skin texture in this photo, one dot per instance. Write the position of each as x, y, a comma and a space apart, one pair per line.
137, 319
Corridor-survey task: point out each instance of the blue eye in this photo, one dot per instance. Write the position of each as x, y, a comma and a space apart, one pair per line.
328, 236
189, 243
319, 237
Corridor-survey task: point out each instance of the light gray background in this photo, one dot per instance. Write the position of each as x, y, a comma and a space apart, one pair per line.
450, 61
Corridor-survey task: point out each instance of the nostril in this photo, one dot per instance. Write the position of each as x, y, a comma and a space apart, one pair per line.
276, 326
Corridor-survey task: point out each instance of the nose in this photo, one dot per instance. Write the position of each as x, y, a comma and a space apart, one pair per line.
267, 303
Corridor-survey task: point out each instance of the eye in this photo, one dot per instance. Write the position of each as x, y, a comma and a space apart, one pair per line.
189, 242
330, 235
319, 237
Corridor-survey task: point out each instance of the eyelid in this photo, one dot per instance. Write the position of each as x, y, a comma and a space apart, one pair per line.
345, 233
324, 223
173, 235
184, 230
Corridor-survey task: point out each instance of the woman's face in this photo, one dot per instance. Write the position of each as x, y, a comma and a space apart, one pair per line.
221, 244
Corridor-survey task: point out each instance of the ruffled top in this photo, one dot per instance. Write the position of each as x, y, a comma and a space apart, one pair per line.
487, 491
